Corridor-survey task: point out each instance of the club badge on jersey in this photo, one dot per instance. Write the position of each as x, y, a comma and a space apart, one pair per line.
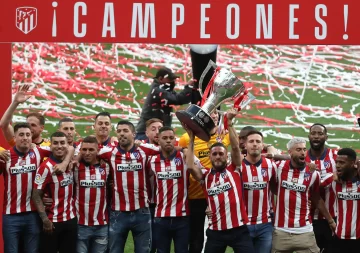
327, 165
264, 172
177, 161
68, 180
32, 154
219, 138
307, 176
102, 171
136, 154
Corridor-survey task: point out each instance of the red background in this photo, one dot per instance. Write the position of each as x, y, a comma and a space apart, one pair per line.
190, 31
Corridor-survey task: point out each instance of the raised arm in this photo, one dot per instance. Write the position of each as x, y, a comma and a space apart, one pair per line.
4, 157
193, 169
234, 140
175, 98
5, 122
277, 157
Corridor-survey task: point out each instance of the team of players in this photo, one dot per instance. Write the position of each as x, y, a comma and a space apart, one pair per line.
92, 206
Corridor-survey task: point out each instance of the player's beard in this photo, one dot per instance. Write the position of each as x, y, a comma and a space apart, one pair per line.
254, 153
346, 174
219, 166
317, 145
35, 135
124, 142
299, 162
155, 141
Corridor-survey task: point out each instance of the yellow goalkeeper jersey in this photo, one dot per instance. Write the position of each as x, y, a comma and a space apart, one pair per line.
201, 151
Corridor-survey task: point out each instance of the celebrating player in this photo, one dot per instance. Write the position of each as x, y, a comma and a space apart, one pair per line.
297, 184
257, 171
347, 191
20, 219
129, 204
223, 188
60, 222
90, 199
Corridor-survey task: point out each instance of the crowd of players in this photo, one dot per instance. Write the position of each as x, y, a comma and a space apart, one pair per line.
64, 195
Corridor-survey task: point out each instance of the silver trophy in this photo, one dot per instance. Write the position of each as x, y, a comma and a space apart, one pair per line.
225, 87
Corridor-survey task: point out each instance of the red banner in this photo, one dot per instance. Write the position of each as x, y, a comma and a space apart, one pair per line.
186, 21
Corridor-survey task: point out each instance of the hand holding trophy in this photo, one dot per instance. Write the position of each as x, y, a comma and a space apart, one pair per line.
224, 86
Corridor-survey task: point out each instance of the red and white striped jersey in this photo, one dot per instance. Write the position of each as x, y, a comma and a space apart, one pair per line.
256, 184
127, 169
294, 188
348, 207
59, 187
151, 186
327, 166
151, 180
90, 194
19, 174
224, 194
172, 181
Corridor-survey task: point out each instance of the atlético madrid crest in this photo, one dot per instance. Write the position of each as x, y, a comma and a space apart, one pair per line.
26, 19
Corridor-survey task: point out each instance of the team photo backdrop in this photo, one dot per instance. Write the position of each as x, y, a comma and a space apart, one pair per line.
295, 85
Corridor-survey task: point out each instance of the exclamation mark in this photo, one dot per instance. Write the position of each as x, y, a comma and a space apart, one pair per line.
54, 30
345, 36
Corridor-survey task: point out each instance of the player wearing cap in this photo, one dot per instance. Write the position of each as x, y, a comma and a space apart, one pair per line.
161, 97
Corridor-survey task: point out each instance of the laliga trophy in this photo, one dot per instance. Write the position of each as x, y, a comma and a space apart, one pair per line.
225, 87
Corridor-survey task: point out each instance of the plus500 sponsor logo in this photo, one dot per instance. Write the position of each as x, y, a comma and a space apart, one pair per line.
23, 169
219, 189
129, 167
255, 186
169, 175
92, 183
293, 186
349, 195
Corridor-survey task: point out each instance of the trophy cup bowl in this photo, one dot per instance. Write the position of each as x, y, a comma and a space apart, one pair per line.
225, 87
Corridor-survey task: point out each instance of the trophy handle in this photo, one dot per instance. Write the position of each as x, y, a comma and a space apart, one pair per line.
211, 64
248, 98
